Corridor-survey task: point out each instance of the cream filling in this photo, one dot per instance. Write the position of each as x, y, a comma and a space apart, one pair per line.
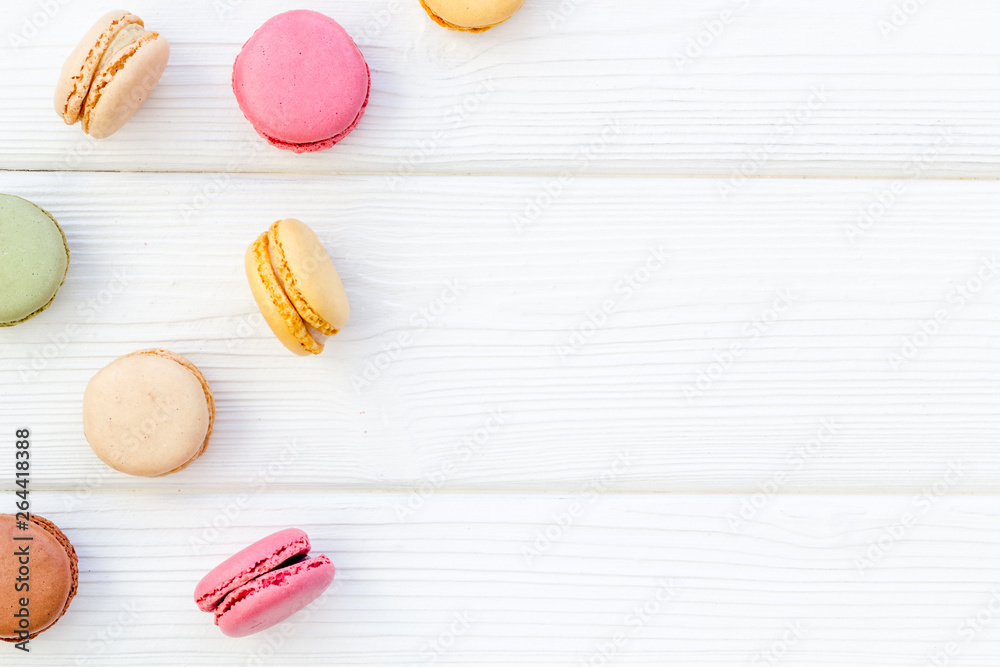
125, 36
317, 335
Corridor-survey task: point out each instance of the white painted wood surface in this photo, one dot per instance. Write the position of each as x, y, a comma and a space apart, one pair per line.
817, 579
525, 96
658, 378
790, 413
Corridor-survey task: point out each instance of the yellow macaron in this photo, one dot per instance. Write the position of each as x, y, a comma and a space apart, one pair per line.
296, 286
471, 15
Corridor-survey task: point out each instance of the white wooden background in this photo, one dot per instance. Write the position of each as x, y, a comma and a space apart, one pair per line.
781, 442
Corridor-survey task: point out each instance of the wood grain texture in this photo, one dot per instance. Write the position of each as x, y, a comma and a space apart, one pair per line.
788, 582
607, 395
777, 88
767, 343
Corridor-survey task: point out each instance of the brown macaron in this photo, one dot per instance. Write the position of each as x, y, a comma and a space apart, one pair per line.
50, 576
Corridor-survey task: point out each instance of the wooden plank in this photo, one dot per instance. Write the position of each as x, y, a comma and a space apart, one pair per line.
781, 88
770, 350
650, 580
585, 412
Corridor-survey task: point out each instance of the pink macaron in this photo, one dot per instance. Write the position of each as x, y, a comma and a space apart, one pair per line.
301, 81
264, 584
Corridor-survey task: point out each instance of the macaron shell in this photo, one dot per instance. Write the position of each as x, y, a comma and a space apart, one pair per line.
301, 81
309, 277
148, 413
80, 67
123, 86
260, 557
209, 399
274, 305
471, 15
273, 597
53, 579
34, 259
318, 145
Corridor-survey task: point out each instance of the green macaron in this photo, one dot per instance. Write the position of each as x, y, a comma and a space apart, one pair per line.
34, 259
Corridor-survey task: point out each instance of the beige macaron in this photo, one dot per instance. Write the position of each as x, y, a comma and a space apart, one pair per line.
149, 413
471, 15
296, 286
110, 74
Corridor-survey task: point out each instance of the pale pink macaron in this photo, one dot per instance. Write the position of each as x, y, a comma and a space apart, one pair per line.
301, 81
264, 584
